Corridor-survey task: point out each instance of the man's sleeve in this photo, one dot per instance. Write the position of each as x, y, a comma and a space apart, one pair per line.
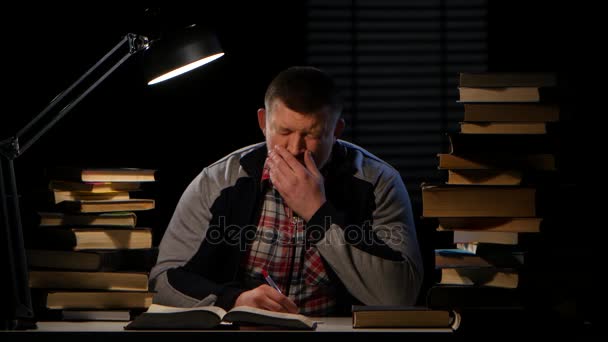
378, 262
185, 255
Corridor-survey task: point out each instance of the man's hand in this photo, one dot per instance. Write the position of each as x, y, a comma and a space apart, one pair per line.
267, 298
301, 187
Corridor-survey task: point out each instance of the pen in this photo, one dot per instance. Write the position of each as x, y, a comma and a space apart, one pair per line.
270, 281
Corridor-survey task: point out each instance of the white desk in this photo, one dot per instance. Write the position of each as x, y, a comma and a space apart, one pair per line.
326, 324
336, 328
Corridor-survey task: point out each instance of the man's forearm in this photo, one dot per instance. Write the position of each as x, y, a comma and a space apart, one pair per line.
372, 271
372, 279
179, 287
360, 236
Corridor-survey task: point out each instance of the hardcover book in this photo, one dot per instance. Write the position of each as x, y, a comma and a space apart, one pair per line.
95, 187
58, 238
391, 316
508, 79
511, 112
98, 206
96, 315
102, 174
478, 201
92, 300
93, 260
60, 196
480, 276
496, 224
114, 219
109, 281
455, 257
506, 94
504, 127
490, 160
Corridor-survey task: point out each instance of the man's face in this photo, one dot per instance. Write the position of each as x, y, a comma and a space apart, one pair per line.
299, 133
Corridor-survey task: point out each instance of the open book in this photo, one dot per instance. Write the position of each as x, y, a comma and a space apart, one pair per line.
208, 317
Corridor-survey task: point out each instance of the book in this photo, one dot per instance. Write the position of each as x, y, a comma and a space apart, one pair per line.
480, 276
508, 79
93, 260
92, 300
96, 315
110, 281
97, 206
102, 174
511, 112
112, 219
506, 177
60, 196
478, 201
454, 257
389, 316
485, 177
95, 187
489, 243
503, 127
208, 317
476, 161
501, 144
505, 94
59, 238
487, 248
503, 238
498, 224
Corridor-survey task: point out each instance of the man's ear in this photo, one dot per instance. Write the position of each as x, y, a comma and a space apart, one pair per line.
340, 124
262, 120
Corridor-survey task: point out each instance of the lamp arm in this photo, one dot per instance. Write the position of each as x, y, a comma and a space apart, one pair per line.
10, 218
11, 147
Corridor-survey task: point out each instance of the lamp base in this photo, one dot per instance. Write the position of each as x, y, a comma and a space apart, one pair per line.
18, 324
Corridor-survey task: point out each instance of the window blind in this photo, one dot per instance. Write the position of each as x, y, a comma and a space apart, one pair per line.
397, 63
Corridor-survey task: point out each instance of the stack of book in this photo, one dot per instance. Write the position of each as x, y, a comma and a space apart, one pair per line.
89, 259
490, 205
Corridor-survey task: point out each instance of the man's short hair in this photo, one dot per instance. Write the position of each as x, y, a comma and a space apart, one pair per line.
306, 90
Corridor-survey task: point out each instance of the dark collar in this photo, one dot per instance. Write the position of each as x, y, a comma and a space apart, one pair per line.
340, 164
253, 162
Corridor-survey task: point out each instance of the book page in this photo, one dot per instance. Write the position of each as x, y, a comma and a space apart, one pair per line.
248, 314
161, 317
157, 308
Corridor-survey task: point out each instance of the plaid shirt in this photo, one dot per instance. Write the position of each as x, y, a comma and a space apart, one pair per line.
279, 248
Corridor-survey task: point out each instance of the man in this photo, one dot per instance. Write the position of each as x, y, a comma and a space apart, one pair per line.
328, 221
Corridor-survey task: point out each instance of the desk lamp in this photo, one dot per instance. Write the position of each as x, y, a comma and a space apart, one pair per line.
169, 56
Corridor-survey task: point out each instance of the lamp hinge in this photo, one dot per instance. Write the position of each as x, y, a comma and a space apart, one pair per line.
10, 148
137, 42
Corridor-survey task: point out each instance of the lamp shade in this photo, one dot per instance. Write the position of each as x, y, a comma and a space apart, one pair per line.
180, 51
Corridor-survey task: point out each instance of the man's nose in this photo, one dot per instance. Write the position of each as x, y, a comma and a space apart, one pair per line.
296, 145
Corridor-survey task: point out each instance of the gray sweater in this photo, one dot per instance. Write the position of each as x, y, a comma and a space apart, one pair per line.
364, 232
